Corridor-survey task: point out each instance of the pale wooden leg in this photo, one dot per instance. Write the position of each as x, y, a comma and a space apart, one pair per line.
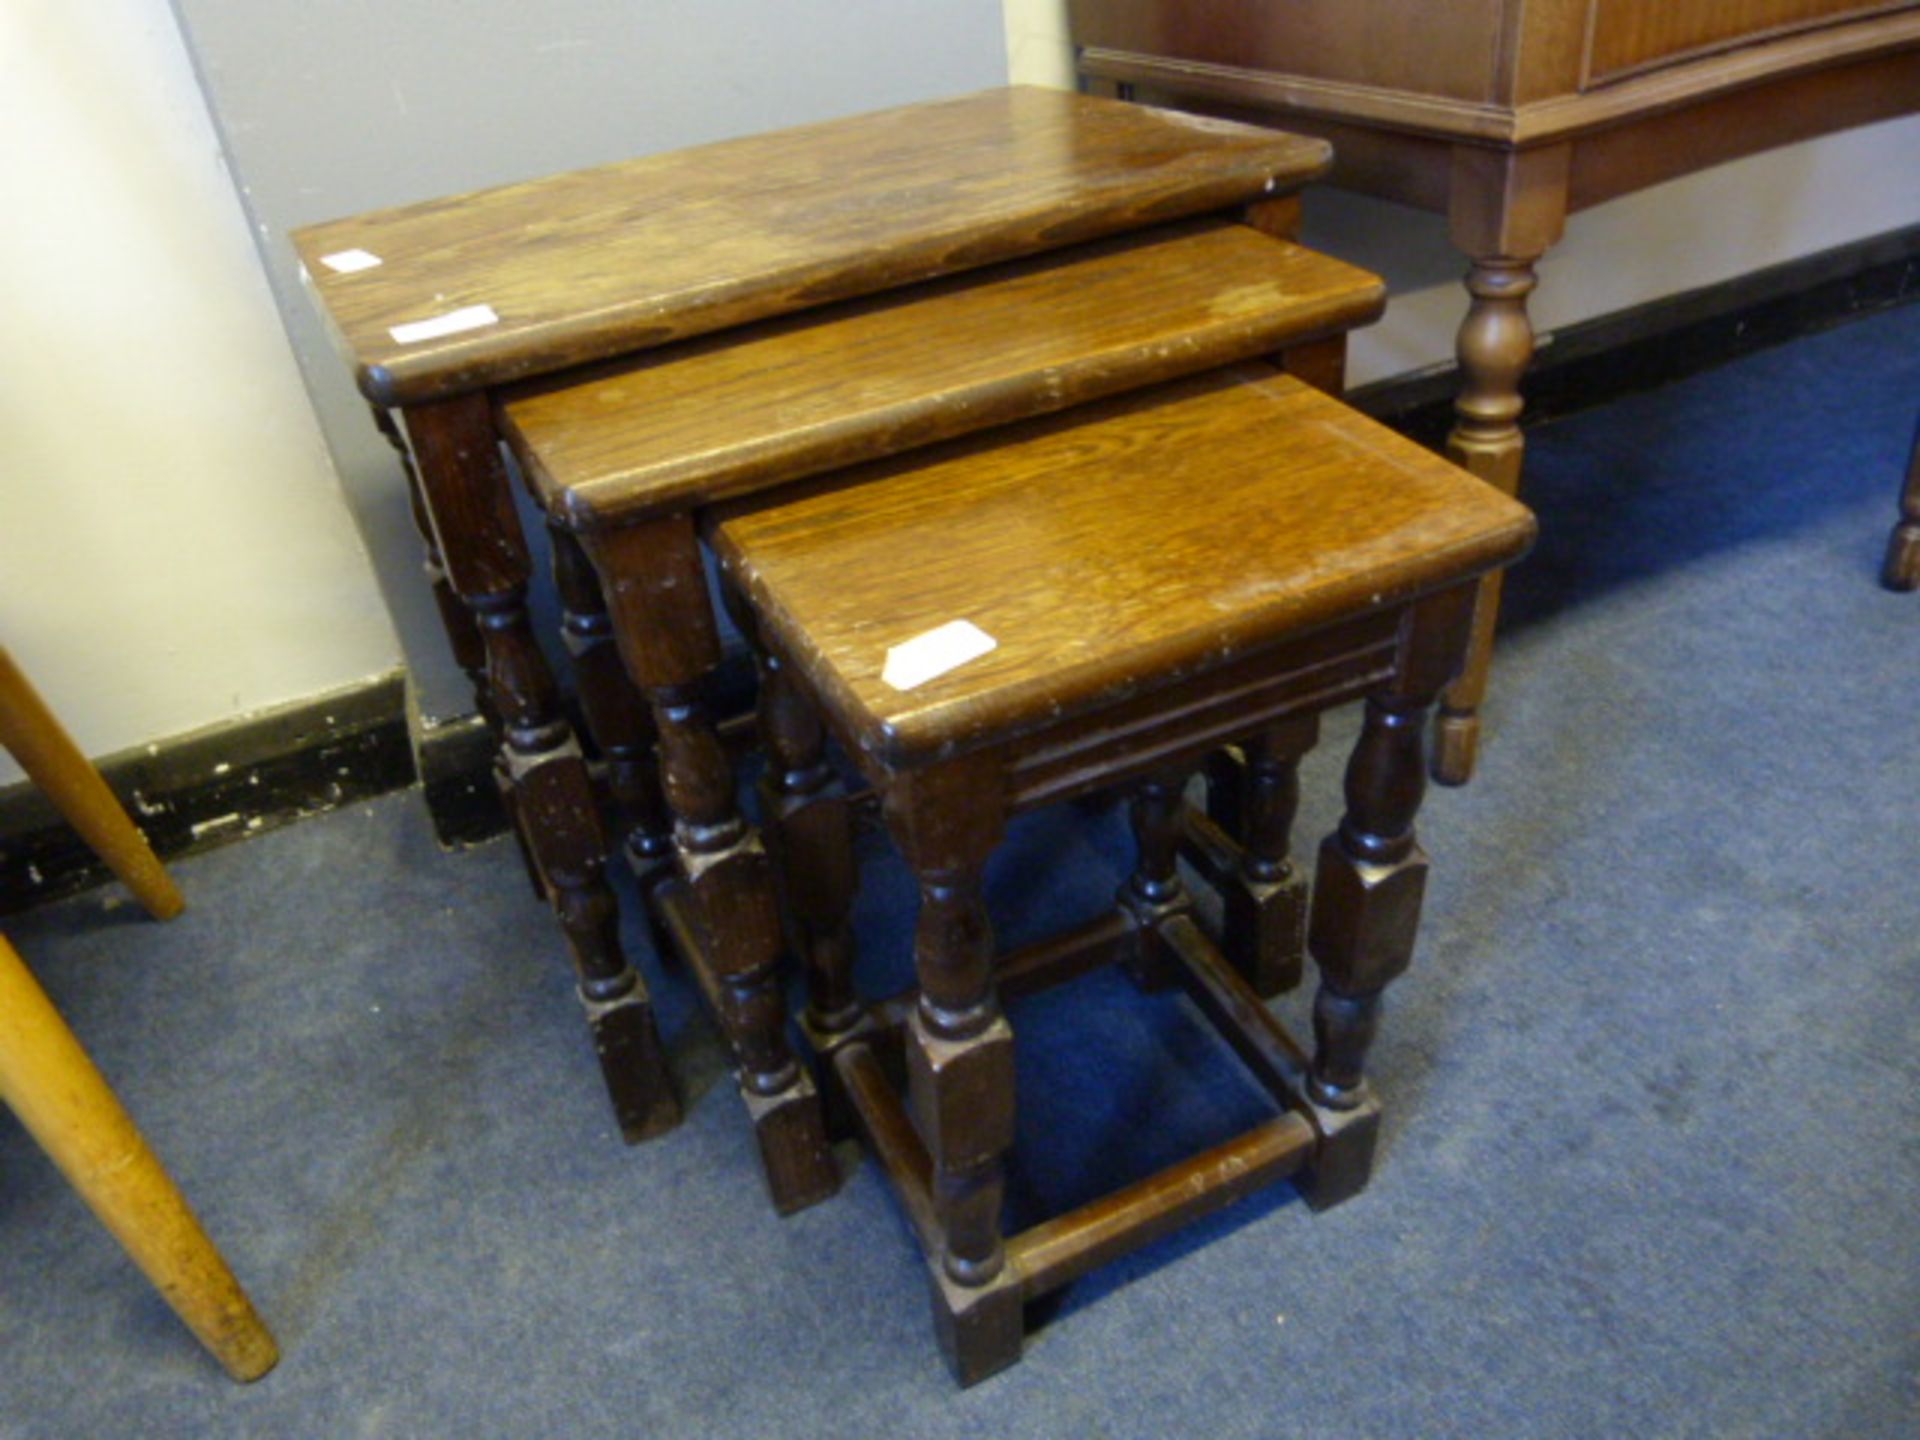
64, 1102
52, 761
1902, 570
1506, 209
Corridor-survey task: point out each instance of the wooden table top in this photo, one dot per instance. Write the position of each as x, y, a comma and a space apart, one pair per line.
1144, 538
775, 402
526, 279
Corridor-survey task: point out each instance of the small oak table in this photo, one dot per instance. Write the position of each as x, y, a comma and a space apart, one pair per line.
1142, 579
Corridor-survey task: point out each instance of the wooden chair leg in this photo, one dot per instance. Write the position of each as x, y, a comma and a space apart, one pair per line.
31, 733
63, 1100
1902, 568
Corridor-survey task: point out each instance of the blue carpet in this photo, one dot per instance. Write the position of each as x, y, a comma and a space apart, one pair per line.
1652, 1151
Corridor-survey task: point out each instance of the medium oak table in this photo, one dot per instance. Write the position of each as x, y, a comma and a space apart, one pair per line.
1506, 117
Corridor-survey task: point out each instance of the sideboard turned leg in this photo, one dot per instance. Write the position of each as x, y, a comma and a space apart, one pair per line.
1505, 210
1495, 346
1902, 570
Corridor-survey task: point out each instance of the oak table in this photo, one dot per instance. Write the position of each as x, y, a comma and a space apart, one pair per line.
1505, 117
1144, 578
441, 305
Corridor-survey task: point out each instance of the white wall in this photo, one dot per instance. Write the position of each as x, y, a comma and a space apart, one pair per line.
1696, 231
328, 110
173, 547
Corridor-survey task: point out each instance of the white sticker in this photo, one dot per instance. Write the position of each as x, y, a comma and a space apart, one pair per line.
451, 323
924, 657
346, 262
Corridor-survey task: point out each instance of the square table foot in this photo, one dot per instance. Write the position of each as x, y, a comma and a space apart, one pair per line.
634, 1065
980, 1328
794, 1153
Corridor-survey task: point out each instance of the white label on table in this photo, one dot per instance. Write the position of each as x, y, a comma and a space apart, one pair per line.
473, 317
347, 262
925, 657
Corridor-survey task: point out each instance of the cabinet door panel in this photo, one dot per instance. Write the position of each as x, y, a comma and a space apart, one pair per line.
1449, 48
1631, 35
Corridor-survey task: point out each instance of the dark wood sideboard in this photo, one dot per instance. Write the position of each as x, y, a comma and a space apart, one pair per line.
1505, 116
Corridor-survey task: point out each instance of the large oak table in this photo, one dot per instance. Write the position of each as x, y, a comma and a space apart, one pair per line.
449, 307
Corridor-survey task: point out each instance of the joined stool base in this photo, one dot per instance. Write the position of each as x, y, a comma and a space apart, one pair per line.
1327, 1152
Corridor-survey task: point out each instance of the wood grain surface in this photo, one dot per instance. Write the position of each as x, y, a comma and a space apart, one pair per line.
606, 261
1631, 34
1546, 90
736, 412
1439, 47
1125, 544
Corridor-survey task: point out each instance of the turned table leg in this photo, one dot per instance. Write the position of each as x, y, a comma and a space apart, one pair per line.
1506, 210
1902, 569
617, 716
1154, 891
813, 832
465, 487
1368, 886
655, 585
1266, 905
946, 821
810, 832
1372, 875
462, 632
